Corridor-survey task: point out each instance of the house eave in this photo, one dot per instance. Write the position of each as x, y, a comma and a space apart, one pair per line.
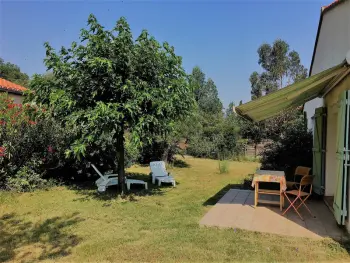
11, 91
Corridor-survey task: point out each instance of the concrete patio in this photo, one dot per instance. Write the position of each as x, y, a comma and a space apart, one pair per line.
236, 210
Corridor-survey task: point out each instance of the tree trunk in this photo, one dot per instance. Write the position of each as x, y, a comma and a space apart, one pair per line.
255, 149
281, 82
120, 160
166, 152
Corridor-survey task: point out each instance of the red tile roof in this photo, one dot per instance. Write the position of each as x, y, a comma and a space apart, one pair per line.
331, 5
11, 87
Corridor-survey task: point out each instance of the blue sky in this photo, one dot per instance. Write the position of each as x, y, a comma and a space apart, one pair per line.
219, 36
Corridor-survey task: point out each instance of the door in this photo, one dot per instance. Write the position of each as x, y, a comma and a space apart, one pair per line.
319, 160
340, 197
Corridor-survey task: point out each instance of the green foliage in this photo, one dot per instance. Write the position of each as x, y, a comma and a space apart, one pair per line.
206, 92
30, 140
256, 132
159, 149
209, 132
256, 91
272, 129
110, 84
218, 135
209, 101
291, 149
13, 73
229, 111
296, 71
27, 179
197, 81
224, 166
281, 67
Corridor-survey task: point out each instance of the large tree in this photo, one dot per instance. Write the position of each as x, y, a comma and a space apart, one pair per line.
280, 67
211, 133
197, 81
111, 85
209, 100
206, 92
13, 73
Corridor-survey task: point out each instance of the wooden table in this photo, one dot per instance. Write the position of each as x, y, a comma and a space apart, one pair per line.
269, 177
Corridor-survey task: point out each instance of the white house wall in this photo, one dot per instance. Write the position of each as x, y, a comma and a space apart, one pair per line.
332, 46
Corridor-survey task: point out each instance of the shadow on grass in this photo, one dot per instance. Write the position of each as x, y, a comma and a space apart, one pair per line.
178, 163
26, 241
345, 243
246, 184
88, 190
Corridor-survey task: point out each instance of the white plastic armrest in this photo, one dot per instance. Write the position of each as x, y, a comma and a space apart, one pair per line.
111, 175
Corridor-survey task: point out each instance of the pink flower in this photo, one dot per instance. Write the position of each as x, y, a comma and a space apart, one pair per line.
2, 151
50, 149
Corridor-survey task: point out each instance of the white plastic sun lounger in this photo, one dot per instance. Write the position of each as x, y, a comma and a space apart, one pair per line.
112, 179
158, 172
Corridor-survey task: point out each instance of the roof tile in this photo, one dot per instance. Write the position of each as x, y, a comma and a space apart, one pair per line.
10, 86
334, 3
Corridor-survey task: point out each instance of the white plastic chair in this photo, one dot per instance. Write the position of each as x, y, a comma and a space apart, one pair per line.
105, 180
112, 179
158, 172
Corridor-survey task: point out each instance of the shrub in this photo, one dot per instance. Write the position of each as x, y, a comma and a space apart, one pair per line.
203, 147
220, 137
223, 166
29, 133
159, 149
30, 141
291, 149
26, 179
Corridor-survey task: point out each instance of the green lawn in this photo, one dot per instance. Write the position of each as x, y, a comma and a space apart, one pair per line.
159, 225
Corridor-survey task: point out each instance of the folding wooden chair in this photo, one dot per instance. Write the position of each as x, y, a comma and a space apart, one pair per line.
300, 172
301, 195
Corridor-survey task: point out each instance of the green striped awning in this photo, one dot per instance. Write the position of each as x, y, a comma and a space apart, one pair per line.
293, 95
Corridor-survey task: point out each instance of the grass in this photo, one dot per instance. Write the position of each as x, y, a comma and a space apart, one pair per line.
223, 166
159, 225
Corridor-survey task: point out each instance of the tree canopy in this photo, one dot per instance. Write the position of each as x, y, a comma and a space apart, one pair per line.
12, 72
211, 133
206, 92
281, 67
111, 85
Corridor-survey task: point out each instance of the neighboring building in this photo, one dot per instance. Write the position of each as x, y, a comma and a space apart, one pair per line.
331, 45
326, 95
14, 91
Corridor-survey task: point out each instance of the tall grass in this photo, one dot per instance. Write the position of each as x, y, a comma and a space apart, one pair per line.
224, 166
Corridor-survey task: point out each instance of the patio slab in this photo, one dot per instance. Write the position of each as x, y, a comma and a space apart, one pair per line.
236, 210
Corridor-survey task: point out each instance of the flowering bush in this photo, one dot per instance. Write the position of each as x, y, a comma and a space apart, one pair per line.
28, 135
